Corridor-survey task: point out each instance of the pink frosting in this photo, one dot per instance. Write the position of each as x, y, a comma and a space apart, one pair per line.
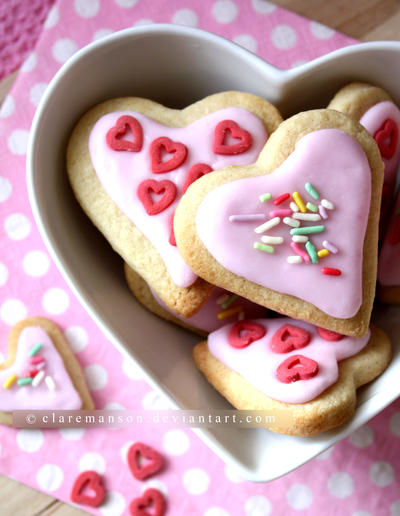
257, 363
121, 172
389, 257
64, 397
336, 165
206, 318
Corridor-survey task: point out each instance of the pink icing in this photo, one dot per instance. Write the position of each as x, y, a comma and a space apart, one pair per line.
64, 397
206, 318
389, 263
257, 363
121, 172
336, 165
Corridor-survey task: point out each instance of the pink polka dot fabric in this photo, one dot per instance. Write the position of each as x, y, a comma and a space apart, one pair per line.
359, 476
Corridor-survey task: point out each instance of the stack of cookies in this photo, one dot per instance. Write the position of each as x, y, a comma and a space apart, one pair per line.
262, 234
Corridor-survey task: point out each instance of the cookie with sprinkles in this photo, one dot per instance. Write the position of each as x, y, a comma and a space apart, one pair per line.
317, 183
220, 308
303, 374
129, 160
40, 371
379, 114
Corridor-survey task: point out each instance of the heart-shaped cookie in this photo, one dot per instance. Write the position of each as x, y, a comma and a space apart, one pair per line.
40, 372
310, 389
297, 230
129, 160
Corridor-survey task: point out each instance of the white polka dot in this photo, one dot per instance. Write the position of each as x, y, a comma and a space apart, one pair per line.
321, 31
36, 92
30, 440
195, 481
55, 301
362, 437
12, 311
216, 511
361, 513
101, 33
246, 41
36, 263
126, 4
114, 405
340, 485
77, 337
114, 504
154, 401
263, 6
29, 63
72, 434
176, 442
257, 505
96, 377
53, 18
233, 475
3, 274
381, 473
325, 454
132, 369
8, 107
87, 8
185, 17
92, 461
5, 189
395, 508
17, 226
124, 450
63, 49
155, 484
224, 11
299, 496
18, 141
395, 424
143, 21
49, 477
283, 37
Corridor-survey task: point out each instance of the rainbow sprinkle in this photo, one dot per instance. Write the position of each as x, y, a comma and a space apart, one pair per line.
265, 197
36, 348
310, 230
264, 247
10, 380
322, 253
311, 250
224, 315
327, 204
311, 190
25, 381
231, 299
299, 201
267, 225
311, 207
330, 246
38, 379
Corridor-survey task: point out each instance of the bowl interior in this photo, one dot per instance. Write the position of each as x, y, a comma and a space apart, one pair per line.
175, 66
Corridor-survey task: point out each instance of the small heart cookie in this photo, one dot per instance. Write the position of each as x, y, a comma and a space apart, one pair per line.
296, 231
40, 372
311, 384
129, 161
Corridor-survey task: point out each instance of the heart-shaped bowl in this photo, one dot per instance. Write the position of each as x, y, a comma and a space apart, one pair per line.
177, 66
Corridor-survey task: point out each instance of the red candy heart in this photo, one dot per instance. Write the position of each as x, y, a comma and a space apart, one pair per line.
115, 134
148, 186
177, 149
219, 145
88, 480
296, 367
330, 335
289, 337
141, 471
244, 333
151, 498
198, 170
387, 137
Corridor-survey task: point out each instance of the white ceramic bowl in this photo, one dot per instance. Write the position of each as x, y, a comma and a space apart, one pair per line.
177, 66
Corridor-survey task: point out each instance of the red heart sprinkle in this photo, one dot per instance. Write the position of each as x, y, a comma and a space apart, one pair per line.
197, 171
244, 333
115, 134
330, 335
219, 145
289, 337
296, 367
154, 463
177, 149
387, 137
88, 480
148, 186
151, 498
